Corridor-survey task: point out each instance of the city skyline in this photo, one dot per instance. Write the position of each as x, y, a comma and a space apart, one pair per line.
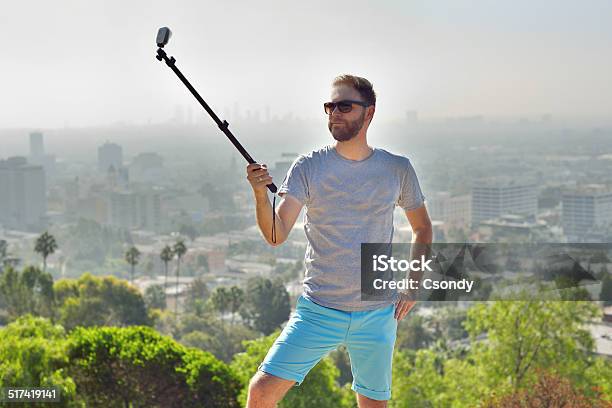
94, 64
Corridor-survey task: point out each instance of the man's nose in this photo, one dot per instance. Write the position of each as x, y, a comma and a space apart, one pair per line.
336, 112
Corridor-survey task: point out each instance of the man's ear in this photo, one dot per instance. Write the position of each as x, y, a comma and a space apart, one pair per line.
373, 110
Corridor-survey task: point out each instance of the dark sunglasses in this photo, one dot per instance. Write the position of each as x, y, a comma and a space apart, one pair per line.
344, 106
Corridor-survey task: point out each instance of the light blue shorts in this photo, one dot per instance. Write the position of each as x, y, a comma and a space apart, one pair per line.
314, 330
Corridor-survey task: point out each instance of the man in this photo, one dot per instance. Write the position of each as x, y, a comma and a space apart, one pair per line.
350, 190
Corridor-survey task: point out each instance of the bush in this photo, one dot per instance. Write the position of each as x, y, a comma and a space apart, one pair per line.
117, 366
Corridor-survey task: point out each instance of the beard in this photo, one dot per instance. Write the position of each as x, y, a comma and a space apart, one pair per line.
347, 130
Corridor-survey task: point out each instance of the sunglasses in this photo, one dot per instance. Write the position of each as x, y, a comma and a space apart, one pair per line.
344, 106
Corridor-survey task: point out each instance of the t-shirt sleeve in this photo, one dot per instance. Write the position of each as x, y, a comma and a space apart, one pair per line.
411, 197
296, 181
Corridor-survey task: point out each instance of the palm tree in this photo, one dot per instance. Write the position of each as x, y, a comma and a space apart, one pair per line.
45, 245
166, 256
221, 300
131, 257
179, 249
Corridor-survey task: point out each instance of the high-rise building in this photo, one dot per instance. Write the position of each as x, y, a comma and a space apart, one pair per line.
23, 200
493, 199
585, 209
37, 148
135, 209
38, 156
109, 154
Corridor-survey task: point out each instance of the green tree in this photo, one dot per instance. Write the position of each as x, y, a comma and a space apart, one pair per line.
179, 249
427, 378
447, 323
136, 366
266, 304
196, 295
131, 257
221, 300
236, 299
524, 335
222, 341
33, 354
88, 240
319, 388
28, 291
189, 231
155, 297
45, 245
166, 256
412, 333
99, 301
521, 337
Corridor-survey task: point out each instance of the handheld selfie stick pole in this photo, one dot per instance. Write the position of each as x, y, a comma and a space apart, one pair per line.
163, 35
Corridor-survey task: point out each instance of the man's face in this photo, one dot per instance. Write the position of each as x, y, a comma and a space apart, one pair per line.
345, 126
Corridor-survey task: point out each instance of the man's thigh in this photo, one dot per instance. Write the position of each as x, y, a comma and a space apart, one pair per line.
370, 348
311, 333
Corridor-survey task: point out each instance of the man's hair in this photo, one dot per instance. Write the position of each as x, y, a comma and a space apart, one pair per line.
361, 85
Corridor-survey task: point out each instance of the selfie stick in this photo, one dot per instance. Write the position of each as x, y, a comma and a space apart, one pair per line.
163, 35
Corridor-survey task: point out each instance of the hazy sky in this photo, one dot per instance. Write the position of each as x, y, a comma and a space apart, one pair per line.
93, 62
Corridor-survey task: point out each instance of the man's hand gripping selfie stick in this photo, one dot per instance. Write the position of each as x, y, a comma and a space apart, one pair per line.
163, 35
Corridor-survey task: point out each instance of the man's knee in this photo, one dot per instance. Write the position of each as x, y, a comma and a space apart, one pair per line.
266, 389
365, 402
258, 387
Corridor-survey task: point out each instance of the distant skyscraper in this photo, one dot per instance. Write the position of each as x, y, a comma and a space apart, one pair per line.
37, 148
584, 210
493, 199
39, 157
109, 154
23, 200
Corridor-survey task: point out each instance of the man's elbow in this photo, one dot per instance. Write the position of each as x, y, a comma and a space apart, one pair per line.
275, 244
279, 239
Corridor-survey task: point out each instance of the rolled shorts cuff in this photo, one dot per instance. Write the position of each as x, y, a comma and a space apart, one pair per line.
281, 373
372, 394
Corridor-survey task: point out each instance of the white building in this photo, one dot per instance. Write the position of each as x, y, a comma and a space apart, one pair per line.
586, 209
454, 211
493, 199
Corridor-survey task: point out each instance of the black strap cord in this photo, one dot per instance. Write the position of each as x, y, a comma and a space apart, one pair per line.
274, 218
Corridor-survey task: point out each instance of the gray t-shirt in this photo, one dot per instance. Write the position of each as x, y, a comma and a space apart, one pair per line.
347, 202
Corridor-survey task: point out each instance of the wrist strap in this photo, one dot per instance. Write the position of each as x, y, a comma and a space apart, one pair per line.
274, 218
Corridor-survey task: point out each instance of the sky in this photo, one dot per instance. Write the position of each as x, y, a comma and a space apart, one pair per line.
90, 63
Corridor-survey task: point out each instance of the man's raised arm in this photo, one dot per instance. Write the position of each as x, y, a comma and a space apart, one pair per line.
287, 210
